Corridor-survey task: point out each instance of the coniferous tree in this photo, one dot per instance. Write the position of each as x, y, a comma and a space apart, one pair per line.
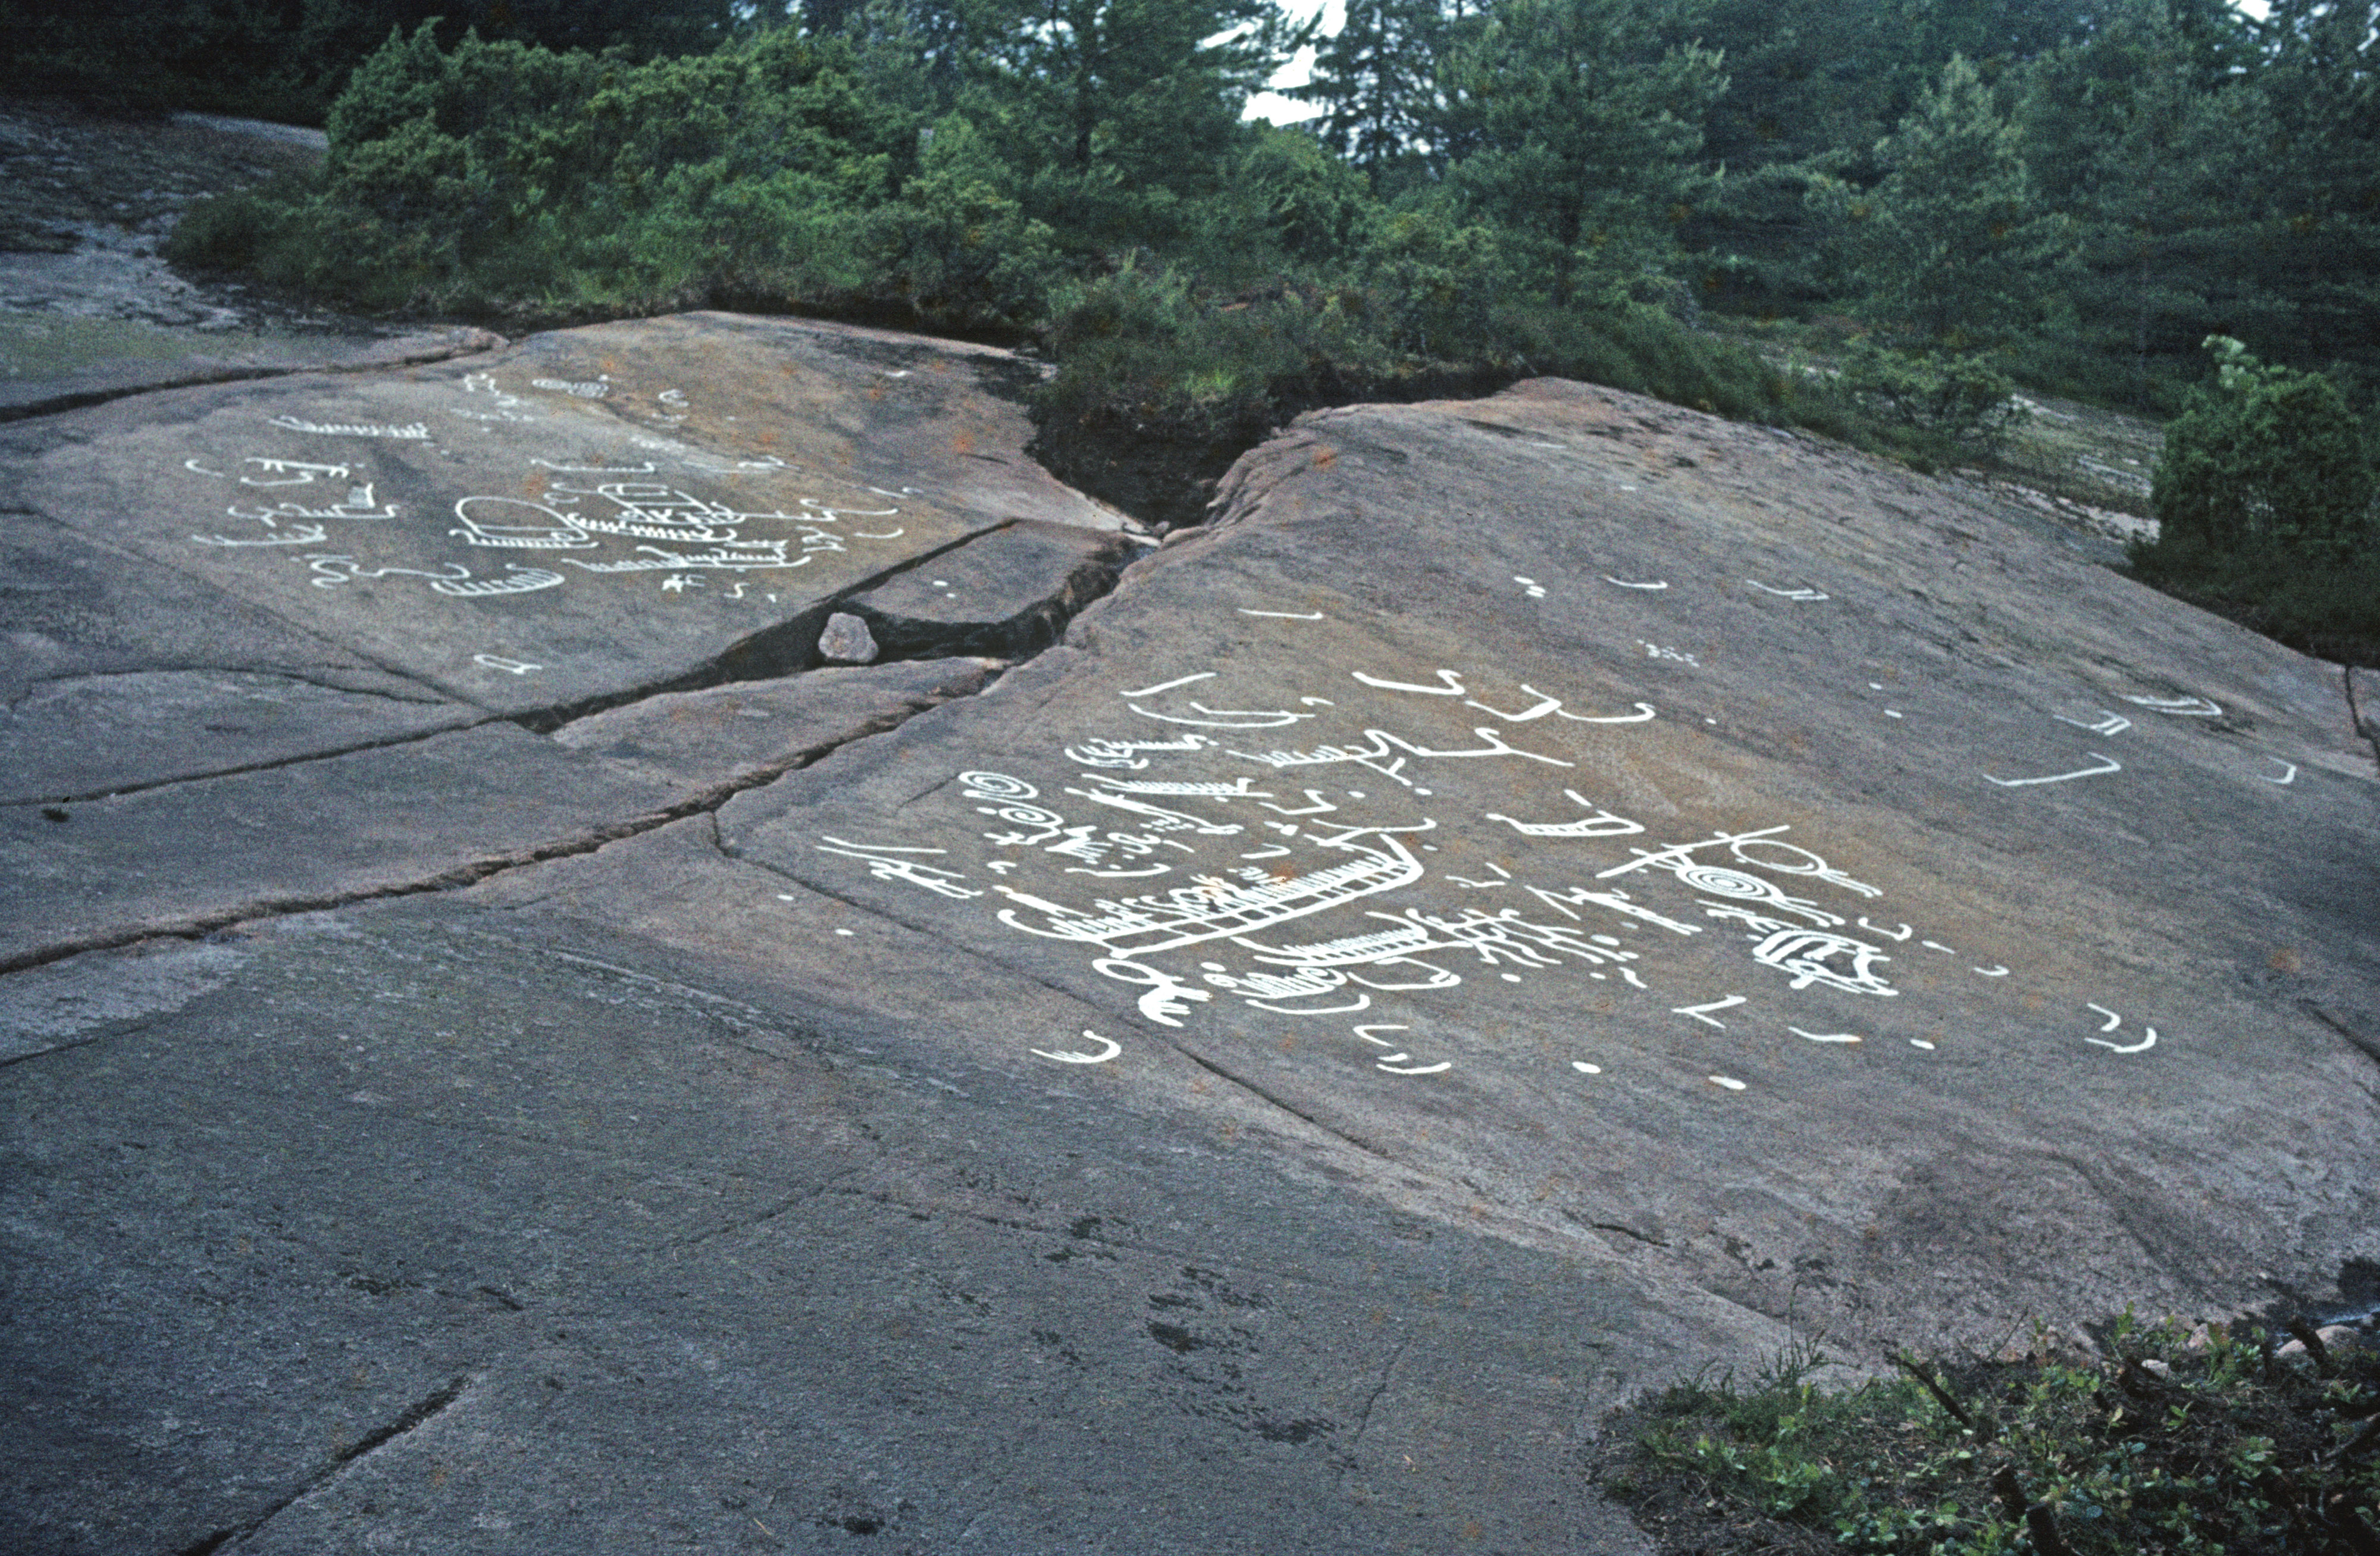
2321, 80
2150, 141
1586, 121
1377, 83
1948, 248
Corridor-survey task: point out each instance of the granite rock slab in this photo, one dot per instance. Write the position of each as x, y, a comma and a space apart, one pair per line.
1542, 897
1780, 867
585, 517
1005, 594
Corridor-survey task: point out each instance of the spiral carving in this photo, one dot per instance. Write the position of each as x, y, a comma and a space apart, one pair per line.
997, 786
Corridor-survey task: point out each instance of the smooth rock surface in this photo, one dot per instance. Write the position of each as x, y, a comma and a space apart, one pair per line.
587, 516
1546, 896
1004, 595
730, 734
1694, 838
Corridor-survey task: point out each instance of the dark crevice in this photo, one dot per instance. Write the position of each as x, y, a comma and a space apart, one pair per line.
268, 765
413, 1418
774, 652
2367, 1046
238, 372
456, 876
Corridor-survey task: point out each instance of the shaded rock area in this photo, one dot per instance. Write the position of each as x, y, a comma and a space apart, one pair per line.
90, 312
1544, 895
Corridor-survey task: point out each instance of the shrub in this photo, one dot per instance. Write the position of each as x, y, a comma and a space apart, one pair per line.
2264, 454
1960, 401
2264, 500
2176, 1443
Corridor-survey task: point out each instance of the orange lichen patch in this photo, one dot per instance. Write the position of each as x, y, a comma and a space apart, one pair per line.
963, 443
1325, 456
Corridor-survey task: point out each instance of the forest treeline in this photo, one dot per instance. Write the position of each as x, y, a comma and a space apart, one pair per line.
2080, 195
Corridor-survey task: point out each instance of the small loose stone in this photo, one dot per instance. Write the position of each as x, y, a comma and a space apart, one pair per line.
847, 640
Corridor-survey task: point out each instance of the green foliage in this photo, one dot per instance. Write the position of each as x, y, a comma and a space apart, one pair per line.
2265, 455
287, 59
1584, 121
2265, 500
2174, 1446
1376, 83
1961, 403
1948, 245
503, 177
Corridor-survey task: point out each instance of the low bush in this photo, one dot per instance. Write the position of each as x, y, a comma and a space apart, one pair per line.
2177, 1442
1959, 402
2266, 504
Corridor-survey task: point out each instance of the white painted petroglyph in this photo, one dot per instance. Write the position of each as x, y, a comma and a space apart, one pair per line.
2106, 764
1109, 1049
1449, 683
1807, 595
648, 467
1169, 685
885, 862
1728, 1082
1657, 583
1351, 871
2288, 772
1582, 1067
1226, 718
1808, 955
1616, 901
523, 580
582, 389
288, 472
332, 571
1654, 650
2180, 706
1286, 616
359, 504
304, 535
1167, 998
412, 432
1375, 757
512, 522
2106, 724
1127, 754
1599, 823
510, 667
1702, 1012
2115, 1021
1215, 909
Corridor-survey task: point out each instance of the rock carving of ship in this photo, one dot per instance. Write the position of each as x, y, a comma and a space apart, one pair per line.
1215, 909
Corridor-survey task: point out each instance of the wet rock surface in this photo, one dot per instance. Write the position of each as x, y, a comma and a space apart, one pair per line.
1543, 895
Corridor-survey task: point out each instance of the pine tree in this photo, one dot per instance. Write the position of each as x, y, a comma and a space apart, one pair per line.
1948, 246
1377, 83
2151, 140
2321, 78
1586, 123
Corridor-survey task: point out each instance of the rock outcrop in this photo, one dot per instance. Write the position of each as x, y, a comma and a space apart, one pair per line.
509, 1047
